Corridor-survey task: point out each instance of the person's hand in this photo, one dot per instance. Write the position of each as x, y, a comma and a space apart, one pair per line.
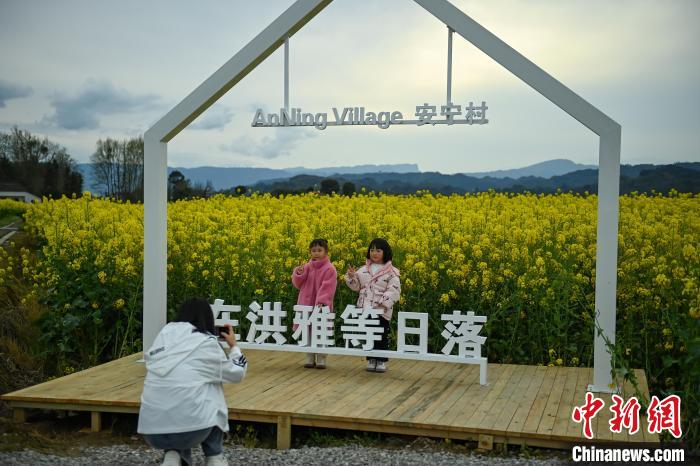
229, 335
352, 271
299, 270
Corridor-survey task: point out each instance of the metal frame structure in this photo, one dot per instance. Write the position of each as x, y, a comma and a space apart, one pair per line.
277, 34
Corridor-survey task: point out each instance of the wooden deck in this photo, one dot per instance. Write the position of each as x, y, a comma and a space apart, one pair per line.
521, 405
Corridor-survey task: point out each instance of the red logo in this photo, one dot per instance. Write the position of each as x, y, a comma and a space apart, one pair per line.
661, 415
587, 412
626, 416
665, 415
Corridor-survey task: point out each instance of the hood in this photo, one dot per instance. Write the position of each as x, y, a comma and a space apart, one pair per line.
173, 344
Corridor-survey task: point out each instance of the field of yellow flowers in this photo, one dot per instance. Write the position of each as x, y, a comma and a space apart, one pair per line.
526, 261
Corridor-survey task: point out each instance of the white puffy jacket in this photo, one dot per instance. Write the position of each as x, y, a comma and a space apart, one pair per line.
182, 391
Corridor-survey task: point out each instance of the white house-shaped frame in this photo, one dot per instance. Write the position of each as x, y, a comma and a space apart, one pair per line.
274, 36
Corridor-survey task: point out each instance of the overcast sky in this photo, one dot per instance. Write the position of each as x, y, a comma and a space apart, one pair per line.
77, 71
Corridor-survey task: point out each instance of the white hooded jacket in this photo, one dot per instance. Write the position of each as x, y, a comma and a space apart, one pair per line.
182, 391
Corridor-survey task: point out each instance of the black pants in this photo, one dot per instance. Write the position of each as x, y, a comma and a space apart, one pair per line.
382, 344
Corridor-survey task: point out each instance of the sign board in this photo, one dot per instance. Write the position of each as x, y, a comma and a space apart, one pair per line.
425, 114
315, 332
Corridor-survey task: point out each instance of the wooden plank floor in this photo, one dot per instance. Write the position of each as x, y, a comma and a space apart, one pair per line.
521, 405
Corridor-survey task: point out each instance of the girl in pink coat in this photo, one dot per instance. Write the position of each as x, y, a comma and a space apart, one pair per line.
379, 285
316, 281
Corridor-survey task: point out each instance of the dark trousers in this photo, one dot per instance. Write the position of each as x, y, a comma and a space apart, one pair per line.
211, 439
382, 344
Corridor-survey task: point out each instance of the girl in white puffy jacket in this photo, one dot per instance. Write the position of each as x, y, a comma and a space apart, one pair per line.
183, 404
379, 286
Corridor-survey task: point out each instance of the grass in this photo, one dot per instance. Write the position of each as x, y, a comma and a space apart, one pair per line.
20, 363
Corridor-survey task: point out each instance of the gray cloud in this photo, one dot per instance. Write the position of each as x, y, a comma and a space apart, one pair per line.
12, 91
97, 98
284, 141
214, 118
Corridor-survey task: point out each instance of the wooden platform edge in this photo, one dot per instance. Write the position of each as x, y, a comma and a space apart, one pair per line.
457, 434
89, 407
22, 400
285, 421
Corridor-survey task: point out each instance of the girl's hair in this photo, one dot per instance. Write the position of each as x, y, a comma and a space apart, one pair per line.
197, 312
381, 243
319, 242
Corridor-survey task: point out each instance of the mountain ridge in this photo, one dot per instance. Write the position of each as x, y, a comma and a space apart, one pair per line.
540, 175
684, 177
545, 169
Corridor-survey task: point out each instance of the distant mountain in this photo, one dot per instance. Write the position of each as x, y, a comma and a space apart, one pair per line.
545, 169
229, 177
397, 168
685, 177
406, 178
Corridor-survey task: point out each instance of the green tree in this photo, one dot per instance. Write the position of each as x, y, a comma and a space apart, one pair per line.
330, 185
349, 188
118, 168
43, 167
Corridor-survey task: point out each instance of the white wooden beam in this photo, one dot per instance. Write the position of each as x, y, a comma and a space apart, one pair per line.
155, 251
606, 259
448, 100
286, 73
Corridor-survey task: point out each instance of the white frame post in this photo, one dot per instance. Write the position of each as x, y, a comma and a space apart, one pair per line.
277, 34
155, 243
606, 259
449, 66
286, 73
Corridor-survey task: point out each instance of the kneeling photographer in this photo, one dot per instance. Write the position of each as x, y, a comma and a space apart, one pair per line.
183, 402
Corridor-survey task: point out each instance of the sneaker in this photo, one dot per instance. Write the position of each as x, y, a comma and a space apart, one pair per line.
381, 366
310, 361
371, 365
217, 460
320, 361
172, 458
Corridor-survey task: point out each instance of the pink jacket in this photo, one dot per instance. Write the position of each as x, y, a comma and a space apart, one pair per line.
382, 289
317, 284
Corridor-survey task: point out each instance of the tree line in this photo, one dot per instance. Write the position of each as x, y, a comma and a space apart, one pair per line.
682, 177
326, 186
44, 168
117, 168
37, 165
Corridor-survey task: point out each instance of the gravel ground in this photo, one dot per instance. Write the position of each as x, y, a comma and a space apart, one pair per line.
307, 456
